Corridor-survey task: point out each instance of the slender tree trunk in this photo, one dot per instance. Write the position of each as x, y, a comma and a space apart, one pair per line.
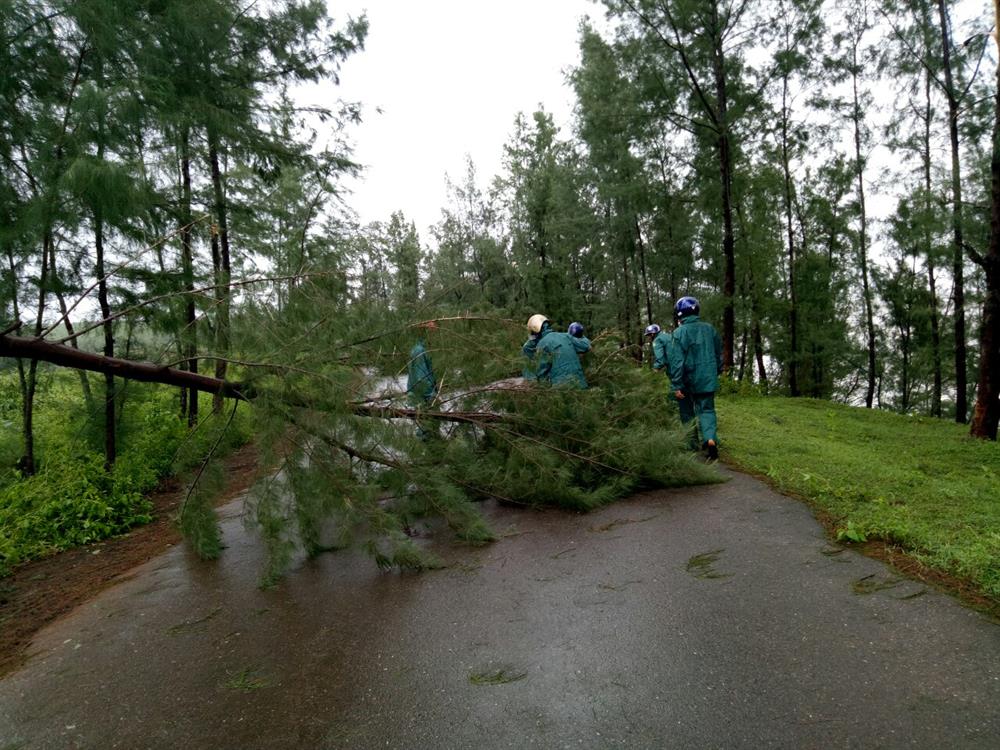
726, 177
223, 269
110, 449
758, 349
929, 254
22, 377
958, 248
642, 265
190, 334
863, 234
793, 324
27, 462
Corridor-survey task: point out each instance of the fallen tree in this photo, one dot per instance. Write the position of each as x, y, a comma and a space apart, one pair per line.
330, 412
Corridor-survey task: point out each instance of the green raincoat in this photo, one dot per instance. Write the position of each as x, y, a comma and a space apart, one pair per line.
662, 345
420, 382
559, 358
695, 357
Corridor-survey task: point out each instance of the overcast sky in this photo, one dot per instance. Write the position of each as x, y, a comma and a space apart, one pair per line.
440, 79
450, 76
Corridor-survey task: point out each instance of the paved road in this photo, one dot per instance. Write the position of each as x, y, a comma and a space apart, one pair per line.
710, 618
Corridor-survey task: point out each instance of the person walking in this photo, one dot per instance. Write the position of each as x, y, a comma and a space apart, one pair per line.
421, 385
695, 359
662, 341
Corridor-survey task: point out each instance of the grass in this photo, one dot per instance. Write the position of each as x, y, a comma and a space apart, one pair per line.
917, 483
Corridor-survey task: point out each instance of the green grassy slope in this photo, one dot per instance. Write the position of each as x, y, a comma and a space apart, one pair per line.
918, 483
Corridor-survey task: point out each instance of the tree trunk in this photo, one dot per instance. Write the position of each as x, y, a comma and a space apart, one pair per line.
189, 338
110, 449
27, 462
22, 377
863, 233
223, 267
642, 265
793, 327
929, 255
726, 177
958, 248
758, 348
986, 415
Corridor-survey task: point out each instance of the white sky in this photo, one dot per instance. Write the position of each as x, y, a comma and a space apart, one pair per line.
450, 76
440, 79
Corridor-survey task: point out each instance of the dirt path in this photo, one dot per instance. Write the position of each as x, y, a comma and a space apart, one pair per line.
40, 591
712, 617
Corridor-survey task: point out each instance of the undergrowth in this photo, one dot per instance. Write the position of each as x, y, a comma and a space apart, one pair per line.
72, 500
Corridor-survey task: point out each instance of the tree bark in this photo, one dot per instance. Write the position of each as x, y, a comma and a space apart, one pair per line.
190, 331
223, 269
863, 234
110, 449
39, 349
726, 176
929, 254
958, 245
793, 323
986, 415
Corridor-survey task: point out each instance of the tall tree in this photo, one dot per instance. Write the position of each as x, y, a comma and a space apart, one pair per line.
851, 62
986, 415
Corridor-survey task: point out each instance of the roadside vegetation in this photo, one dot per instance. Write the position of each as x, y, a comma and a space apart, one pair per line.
72, 499
919, 483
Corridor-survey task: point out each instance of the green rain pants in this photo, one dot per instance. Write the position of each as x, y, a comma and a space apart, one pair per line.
702, 406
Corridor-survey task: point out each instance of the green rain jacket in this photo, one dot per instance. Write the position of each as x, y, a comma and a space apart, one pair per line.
695, 357
559, 358
662, 344
420, 382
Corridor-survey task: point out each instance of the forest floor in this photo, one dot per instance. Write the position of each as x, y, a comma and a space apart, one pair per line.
39, 591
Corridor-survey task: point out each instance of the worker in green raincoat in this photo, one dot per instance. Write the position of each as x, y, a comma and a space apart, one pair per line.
661, 347
421, 385
695, 365
554, 357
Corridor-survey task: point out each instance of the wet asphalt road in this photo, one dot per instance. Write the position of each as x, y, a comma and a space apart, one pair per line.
718, 617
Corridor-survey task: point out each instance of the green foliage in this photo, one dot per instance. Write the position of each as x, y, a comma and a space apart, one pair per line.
73, 499
916, 482
349, 477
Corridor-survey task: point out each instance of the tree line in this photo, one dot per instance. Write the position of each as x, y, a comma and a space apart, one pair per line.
155, 158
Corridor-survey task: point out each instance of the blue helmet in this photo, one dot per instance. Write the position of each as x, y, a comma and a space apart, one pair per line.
575, 329
652, 329
686, 306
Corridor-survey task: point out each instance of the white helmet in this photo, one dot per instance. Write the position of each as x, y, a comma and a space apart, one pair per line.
536, 321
